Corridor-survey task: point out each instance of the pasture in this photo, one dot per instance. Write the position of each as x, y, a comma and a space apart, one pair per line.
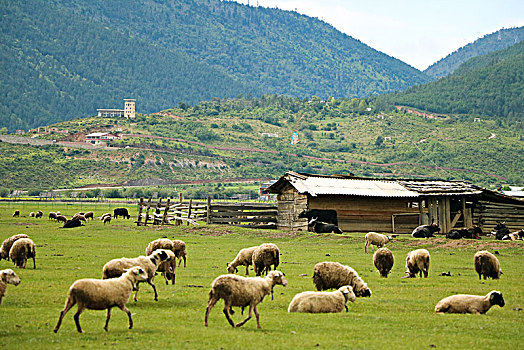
398, 315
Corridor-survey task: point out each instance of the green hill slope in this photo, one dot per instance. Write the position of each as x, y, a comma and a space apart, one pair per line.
488, 43
63, 59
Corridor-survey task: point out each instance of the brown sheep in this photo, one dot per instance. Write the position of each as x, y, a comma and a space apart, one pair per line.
8, 243
487, 265
383, 260
22, 249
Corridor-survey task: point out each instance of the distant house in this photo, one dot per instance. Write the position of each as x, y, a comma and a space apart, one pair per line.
100, 138
128, 111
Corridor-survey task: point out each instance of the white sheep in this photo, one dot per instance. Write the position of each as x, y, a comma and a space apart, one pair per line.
322, 302
104, 216
469, 304
23, 249
94, 294
264, 256
330, 275
7, 276
487, 264
8, 243
244, 257
377, 239
417, 261
383, 260
242, 291
166, 268
150, 263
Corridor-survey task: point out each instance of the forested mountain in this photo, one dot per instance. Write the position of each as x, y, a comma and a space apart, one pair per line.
486, 86
492, 42
65, 58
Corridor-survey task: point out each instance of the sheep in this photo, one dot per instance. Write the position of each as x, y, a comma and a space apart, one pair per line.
23, 249
264, 256
242, 291
417, 261
469, 304
179, 248
52, 215
94, 294
103, 216
79, 216
244, 257
60, 218
88, 215
16, 213
383, 260
487, 265
150, 263
32, 214
107, 220
377, 239
39, 214
322, 302
8, 243
7, 276
425, 231
166, 268
330, 275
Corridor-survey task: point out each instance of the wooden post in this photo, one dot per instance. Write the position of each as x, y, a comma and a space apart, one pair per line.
140, 205
147, 211
158, 206
181, 197
164, 217
420, 213
208, 218
189, 211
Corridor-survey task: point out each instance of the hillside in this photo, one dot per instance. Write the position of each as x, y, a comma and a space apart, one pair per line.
249, 138
164, 52
492, 42
485, 86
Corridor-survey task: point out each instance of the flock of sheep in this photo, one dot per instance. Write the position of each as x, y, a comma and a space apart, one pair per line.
122, 276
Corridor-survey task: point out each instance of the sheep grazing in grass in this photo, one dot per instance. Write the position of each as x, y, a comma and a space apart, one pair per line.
264, 256
52, 215
88, 215
150, 263
61, 218
244, 257
179, 248
417, 261
101, 218
7, 276
8, 243
242, 291
469, 304
331, 275
487, 265
383, 260
16, 213
39, 214
79, 216
22, 249
377, 239
94, 294
32, 214
322, 302
168, 269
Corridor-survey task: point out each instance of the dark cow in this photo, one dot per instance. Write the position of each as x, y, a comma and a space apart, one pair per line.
500, 230
121, 212
425, 231
327, 216
323, 227
72, 223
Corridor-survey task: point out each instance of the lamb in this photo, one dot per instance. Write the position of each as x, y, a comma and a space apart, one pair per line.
22, 249
16, 213
150, 263
88, 215
244, 257
242, 291
52, 215
330, 275
469, 304
166, 268
8, 243
383, 260
417, 261
94, 294
487, 265
322, 302
377, 239
107, 220
264, 256
7, 276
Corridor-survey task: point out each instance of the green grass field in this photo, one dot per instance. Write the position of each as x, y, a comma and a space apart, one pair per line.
399, 314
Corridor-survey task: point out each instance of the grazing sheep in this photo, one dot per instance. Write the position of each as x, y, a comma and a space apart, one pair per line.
244, 257
417, 261
8, 243
425, 231
52, 215
94, 294
32, 214
330, 275
150, 263
7, 276
107, 220
16, 213
79, 216
469, 304
383, 260
22, 249
179, 248
322, 302
487, 265
166, 268
103, 216
264, 256
61, 218
242, 291
39, 214
88, 215
377, 239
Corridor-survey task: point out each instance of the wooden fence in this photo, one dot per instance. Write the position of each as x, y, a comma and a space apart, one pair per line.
260, 215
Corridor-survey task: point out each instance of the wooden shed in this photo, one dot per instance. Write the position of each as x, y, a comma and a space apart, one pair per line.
392, 205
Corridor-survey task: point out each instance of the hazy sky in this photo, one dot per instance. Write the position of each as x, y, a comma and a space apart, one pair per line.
418, 32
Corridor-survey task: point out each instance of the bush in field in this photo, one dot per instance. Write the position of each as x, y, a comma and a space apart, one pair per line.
113, 193
4, 192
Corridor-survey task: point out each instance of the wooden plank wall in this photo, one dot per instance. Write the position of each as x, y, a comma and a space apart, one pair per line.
290, 204
486, 214
361, 214
245, 214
